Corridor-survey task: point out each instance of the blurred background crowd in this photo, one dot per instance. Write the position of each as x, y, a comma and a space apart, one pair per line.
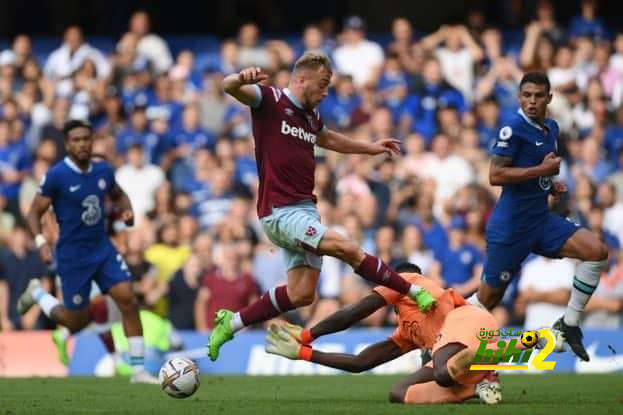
184, 153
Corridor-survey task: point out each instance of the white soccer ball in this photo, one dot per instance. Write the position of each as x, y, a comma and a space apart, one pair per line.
179, 377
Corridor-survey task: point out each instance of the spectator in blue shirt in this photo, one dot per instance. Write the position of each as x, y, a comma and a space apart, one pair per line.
488, 112
15, 160
128, 61
162, 100
136, 132
588, 24
314, 40
460, 265
212, 196
431, 92
245, 172
433, 233
337, 109
393, 86
227, 60
190, 137
501, 82
613, 141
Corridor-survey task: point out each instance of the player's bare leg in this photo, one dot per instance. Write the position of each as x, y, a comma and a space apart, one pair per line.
585, 246
124, 297
487, 296
438, 384
398, 392
299, 292
74, 320
372, 268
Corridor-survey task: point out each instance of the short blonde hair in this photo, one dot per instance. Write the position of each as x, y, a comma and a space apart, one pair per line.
313, 60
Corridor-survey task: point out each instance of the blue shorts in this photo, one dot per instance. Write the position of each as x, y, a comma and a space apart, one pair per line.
297, 229
76, 279
503, 261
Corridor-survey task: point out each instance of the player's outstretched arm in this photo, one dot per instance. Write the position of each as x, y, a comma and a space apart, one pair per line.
502, 173
370, 357
239, 85
40, 205
348, 316
122, 202
280, 342
332, 140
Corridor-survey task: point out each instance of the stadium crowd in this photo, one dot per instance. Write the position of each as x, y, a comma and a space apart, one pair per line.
184, 154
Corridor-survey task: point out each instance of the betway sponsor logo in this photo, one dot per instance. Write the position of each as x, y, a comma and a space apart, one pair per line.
297, 132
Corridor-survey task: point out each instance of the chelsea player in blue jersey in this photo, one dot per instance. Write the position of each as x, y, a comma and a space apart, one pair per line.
523, 162
76, 189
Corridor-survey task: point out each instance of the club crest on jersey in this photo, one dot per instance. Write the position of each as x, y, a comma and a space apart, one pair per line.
77, 299
466, 257
297, 132
545, 182
310, 121
506, 132
101, 184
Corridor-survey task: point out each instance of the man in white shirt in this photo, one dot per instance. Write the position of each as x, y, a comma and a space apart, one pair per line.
140, 181
457, 57
449, 171
67, 59
613, 209
358, 57
544, 290
150, 45
564, 74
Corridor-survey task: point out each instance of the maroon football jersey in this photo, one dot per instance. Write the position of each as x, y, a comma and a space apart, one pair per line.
285, 136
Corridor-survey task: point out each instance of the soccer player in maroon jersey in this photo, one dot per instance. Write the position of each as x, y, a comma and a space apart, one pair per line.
286, 128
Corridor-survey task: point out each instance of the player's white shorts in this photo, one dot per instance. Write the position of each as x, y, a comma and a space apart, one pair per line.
297, 229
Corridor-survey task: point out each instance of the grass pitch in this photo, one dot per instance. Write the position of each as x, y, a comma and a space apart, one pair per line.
367, 394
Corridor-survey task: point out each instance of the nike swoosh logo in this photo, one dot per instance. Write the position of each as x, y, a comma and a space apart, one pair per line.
599, 364
74, 188
539, 143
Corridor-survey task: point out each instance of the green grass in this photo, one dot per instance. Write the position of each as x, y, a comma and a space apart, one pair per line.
319, 395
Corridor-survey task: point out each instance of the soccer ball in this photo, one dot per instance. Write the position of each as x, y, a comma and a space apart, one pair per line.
529, 338
179, 377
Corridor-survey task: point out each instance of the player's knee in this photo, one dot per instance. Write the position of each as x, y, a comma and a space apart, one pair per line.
599, 252
127, 305
397, 394
489, 296
349, 251
300, 298
490, 300
442, 377
78, 322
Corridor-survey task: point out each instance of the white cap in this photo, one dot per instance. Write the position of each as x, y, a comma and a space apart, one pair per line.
7, 57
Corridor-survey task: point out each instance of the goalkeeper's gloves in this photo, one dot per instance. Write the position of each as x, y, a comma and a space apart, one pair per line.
282, 343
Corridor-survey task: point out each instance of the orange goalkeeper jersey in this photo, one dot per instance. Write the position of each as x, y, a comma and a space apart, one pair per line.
416, 329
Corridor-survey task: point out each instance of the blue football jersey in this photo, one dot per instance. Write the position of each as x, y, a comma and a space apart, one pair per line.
78, 202
523, 206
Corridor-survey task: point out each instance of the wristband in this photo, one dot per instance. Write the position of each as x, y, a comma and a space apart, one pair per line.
40, 241
305, 353
306, 337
